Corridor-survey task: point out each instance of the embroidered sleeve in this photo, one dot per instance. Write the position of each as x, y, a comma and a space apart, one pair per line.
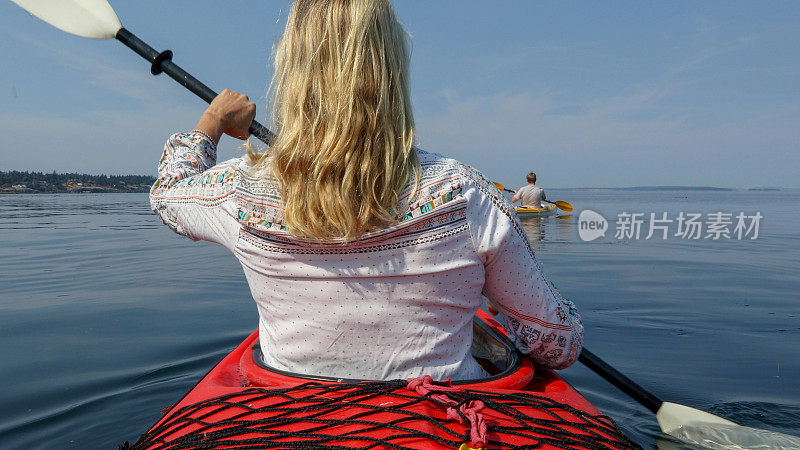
191, 194
542, 323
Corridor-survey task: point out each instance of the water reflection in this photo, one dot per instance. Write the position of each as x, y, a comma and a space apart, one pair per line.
534, 227
48, 212
550, 229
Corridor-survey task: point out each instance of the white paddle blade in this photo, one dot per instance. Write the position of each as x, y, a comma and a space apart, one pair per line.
734, 437
672, 416
697, 427
86, 18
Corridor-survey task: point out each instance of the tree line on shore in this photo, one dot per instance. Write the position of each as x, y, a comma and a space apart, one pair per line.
72, 182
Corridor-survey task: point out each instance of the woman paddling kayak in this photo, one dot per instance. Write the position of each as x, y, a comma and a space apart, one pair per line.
366, 256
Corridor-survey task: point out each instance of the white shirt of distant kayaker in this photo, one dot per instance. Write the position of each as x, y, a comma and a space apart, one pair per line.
530, 195
397, 302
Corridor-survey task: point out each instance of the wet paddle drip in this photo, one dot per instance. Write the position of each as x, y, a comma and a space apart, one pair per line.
383, 414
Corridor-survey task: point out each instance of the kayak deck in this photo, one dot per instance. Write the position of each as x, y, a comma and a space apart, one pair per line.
241, 405
532, 211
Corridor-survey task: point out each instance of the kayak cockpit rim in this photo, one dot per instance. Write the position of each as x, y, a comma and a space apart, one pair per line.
489, 348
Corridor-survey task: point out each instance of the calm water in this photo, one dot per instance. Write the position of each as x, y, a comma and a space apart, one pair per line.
107, 316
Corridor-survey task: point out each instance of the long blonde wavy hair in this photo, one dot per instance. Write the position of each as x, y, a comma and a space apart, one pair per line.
344, 148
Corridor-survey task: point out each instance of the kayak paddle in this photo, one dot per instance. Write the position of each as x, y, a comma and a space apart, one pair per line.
689, 424
97, 20
564, 206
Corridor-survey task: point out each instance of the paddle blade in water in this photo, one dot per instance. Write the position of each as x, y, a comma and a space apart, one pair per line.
86, 18
709, 431
733, 437
672, 416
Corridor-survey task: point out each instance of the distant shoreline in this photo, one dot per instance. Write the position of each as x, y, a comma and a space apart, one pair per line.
84, 190
676, 188
662, 188
24, 182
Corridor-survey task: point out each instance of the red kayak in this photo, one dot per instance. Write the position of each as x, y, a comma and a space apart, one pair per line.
241, 403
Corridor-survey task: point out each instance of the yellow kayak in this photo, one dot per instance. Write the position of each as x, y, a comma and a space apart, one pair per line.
532, 211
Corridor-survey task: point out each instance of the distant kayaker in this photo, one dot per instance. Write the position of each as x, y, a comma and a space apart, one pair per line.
530, 194
366, 256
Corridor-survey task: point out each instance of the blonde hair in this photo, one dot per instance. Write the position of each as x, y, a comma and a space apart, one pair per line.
345, 131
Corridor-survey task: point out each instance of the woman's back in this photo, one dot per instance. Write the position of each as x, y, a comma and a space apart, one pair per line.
396, 303
366, 257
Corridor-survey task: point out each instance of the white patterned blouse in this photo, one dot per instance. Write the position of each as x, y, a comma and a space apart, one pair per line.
398, 302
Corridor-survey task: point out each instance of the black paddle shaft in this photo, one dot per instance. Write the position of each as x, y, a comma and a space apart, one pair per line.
162, 62
619, 380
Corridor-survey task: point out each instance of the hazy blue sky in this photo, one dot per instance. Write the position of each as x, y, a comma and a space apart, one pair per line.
584, 93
